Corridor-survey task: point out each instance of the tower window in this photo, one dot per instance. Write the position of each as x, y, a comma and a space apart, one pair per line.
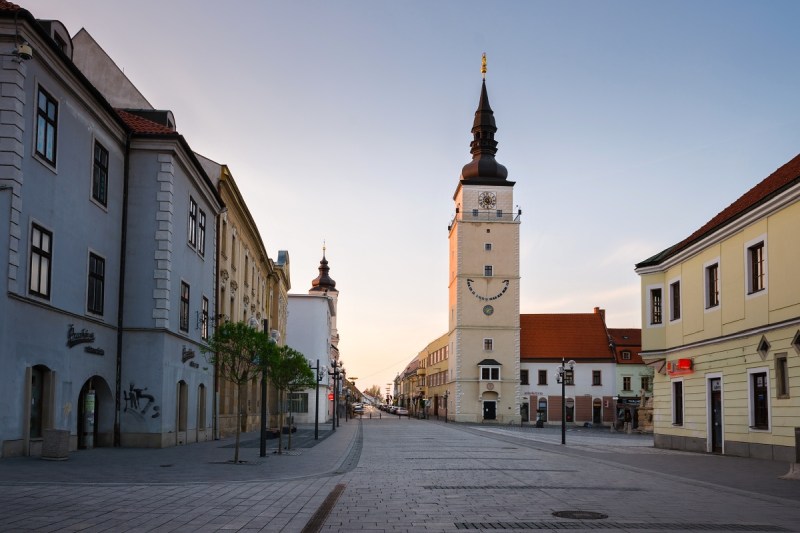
487, 270
487, 247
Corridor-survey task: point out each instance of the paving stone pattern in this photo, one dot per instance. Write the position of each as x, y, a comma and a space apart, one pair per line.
393, 474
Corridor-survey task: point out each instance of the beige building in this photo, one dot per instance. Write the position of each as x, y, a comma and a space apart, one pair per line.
484, 331
721, 324
251, 288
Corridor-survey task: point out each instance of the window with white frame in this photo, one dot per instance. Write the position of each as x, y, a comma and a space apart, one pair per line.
626, 355
46, 126
756, 265
759, 398
677, 402
96, 289
488, 344
487, 270
490, 373
675, 300
298, 402
487, 247
184, 324
201, 233
40, 261
655, 306
712, 285
192, 229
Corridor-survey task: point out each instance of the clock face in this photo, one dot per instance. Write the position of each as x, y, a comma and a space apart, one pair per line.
487, 200
488, 310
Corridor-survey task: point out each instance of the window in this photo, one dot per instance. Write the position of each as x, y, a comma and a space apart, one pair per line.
677, 403
97, 277
626, 355
192, 222
597, 377
184, 306
224, 239
100, 174
626, 383
655, 306
756, 271
41, 256
46, 126
569, 377
523, 377
488, 344
204, 318
675, 300
201, 233
298, 402
490, 373
499, 213
781, 375
542, 377
487, 247
646, 383
487, 270
474, 213
759, 399
712, 286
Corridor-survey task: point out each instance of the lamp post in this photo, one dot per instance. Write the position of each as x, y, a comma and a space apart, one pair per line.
561, 377
343, 381
262, 449
334, 372
319, 373
446, 405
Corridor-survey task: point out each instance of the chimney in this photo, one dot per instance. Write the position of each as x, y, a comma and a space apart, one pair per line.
601, 312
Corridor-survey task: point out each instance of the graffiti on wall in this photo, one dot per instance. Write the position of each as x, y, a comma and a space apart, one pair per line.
139, 401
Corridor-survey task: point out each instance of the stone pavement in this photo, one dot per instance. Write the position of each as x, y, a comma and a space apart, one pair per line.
393, 474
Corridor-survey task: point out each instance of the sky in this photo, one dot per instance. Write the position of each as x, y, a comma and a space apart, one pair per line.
626, 125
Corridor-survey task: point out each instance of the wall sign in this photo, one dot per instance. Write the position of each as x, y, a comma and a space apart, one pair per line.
680, 367
78, 337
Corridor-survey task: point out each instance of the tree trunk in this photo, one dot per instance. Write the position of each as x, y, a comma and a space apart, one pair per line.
238, 427
280, 421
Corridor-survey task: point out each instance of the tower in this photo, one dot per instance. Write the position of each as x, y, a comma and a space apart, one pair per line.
325, 285
484, 332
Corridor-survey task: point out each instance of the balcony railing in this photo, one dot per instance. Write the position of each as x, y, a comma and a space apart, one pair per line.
486, 215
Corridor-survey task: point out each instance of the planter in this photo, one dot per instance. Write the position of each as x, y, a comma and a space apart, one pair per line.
55, 445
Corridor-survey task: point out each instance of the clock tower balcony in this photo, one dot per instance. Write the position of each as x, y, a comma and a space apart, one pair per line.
487, 215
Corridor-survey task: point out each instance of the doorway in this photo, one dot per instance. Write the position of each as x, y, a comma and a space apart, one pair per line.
597, 411
489, 410
715, 413
523, 412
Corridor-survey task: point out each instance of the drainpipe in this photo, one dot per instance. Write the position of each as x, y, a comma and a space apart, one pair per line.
121, 296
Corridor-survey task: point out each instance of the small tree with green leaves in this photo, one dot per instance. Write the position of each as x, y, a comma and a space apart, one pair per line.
240, 353
288, 370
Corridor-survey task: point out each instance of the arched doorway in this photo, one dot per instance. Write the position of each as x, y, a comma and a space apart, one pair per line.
95, 414
182, 412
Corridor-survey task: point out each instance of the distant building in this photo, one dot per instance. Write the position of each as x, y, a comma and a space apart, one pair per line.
634, 379
721, 323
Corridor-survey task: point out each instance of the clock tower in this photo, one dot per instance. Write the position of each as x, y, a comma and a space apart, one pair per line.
484, 331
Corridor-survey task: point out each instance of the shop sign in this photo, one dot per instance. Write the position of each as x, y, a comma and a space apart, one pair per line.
680, 367
78, 337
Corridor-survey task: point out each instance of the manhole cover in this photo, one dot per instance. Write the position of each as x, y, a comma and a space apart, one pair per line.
580, 515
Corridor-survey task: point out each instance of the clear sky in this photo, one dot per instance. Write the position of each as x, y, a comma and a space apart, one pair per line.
626, 125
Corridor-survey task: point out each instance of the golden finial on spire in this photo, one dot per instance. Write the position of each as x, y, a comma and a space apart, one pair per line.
483, 65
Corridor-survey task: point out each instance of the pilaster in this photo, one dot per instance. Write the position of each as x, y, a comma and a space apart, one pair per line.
162, 273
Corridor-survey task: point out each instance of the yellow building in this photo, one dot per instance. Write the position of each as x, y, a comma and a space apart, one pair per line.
721, 324
251, 288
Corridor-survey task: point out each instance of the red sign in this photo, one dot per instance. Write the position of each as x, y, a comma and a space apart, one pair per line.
330, 396
680, 367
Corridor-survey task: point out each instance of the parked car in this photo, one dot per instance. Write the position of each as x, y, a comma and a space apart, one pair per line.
401, 411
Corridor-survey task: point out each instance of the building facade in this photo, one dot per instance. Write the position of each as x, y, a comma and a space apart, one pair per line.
721, 323
483, 313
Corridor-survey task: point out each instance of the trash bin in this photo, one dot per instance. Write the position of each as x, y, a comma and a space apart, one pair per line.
55, 444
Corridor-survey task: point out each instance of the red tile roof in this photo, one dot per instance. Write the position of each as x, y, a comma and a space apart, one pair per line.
627, 339
569, 335
143, 126
8, 6
782, 178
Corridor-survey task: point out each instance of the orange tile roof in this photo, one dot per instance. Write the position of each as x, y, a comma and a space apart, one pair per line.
143, 126
569, 335
773, 184
627, 339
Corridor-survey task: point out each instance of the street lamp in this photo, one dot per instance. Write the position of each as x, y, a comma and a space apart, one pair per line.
446, 406
319, 373
253, 323
334, 372
562, 373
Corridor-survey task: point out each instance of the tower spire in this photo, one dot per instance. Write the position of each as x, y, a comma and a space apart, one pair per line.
483, 146
323, 282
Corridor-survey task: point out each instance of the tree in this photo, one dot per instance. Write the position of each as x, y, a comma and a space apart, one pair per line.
374, 391
288, 371
240, 353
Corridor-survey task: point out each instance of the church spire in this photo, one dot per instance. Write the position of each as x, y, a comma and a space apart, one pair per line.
483, 146
323, 282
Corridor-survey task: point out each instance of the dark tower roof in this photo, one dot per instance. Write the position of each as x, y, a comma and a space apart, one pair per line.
323, 282
484, 167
